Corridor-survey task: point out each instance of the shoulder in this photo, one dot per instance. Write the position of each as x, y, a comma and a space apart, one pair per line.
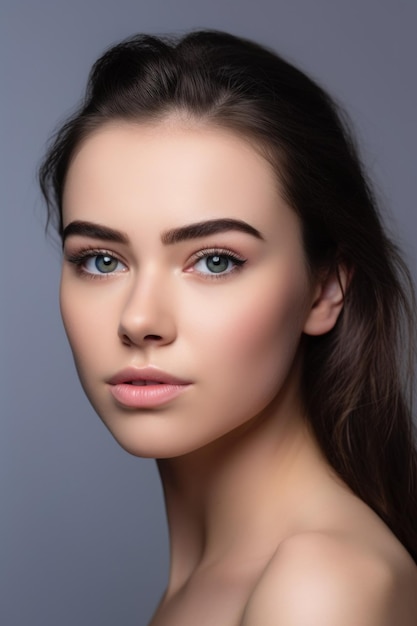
326, 579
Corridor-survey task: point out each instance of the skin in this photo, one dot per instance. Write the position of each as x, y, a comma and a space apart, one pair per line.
261, 530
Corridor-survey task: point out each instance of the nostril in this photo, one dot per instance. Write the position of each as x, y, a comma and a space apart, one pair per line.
126, 340
129, 342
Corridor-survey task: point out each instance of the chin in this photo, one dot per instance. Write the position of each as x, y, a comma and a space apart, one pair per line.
150, 445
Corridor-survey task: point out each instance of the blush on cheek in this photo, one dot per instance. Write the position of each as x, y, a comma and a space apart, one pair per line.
264, 339
82, 330
276, 321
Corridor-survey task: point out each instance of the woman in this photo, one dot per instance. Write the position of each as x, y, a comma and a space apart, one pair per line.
237, 312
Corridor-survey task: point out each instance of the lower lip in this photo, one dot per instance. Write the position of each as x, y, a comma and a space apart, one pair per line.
146, 396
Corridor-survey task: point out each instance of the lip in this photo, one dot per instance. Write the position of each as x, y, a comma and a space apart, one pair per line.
160, 387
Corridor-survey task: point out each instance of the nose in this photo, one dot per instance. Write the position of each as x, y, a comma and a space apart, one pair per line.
147, 317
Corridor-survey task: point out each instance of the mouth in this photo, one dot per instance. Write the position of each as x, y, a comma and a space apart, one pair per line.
144, 383
146, 388
145, 376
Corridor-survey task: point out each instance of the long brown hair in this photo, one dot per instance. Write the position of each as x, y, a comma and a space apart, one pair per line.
357, 381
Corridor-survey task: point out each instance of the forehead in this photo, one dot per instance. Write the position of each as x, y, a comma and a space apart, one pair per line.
184, 170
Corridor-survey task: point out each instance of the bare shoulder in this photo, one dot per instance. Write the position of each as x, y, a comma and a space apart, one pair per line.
326, 579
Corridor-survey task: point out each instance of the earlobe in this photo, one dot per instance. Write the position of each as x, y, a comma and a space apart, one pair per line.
327, 302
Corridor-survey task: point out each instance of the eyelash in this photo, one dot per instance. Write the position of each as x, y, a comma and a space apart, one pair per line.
79, 259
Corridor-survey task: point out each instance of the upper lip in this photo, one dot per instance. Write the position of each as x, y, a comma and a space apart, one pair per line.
150, 373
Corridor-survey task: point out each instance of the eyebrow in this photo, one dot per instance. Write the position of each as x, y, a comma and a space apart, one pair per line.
96, 231
210, 227
175, 235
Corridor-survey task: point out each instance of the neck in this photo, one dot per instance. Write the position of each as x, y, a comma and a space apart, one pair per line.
232, 500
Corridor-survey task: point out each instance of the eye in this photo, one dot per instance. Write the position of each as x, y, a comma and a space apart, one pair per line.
216, 263
96, 263
102, 264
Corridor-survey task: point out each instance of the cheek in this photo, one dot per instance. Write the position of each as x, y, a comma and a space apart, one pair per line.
251, 340
86, 324
263, 340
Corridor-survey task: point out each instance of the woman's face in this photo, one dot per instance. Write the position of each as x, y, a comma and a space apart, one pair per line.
181, 333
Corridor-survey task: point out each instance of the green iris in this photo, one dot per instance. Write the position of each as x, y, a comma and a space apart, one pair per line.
105, 263
217, 264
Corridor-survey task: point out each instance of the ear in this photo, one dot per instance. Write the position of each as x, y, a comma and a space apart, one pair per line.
327, 302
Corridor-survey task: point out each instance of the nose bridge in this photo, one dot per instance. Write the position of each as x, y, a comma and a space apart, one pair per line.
147, 313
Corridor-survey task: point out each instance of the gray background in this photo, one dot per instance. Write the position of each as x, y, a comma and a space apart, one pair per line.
82, 530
